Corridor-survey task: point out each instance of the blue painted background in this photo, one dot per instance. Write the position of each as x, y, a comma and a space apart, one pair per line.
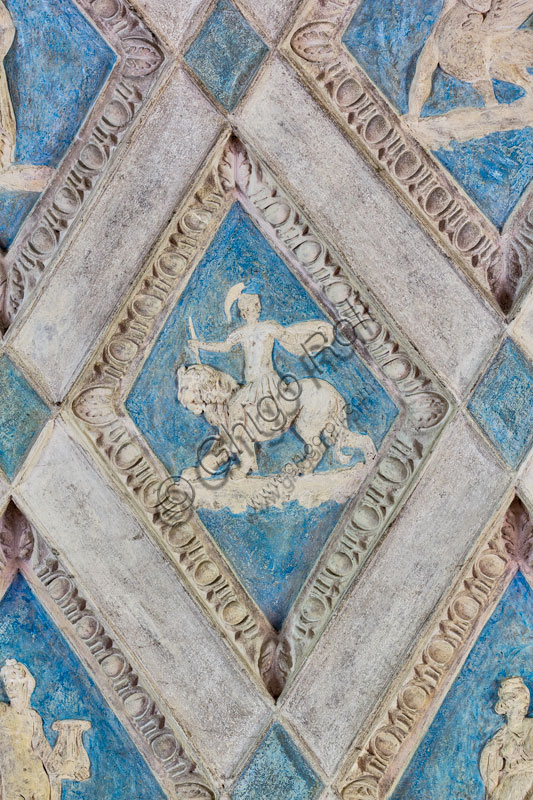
277, 771
22, 415
65, 691
386, 37
272, 550
446, 764
226, 54
55, 69
502, 403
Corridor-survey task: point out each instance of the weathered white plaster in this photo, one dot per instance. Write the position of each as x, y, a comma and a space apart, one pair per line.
526, 479
4, 490
101, 262
522, 327
452, 327
329, 794
359, 654
143, 599
188, 642
272, 15
174, 21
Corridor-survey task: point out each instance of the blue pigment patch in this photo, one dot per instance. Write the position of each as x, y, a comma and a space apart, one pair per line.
494, 170
226, 54
278, 770
14, 208
22, 415
386, 38
502, 403
65, 691
272, 550
56, 68
446, 764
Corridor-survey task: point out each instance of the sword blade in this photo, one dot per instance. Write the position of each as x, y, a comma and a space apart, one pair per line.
195, 349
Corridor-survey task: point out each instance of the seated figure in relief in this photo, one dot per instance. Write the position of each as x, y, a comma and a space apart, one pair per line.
29, 768
265, 407
506, 763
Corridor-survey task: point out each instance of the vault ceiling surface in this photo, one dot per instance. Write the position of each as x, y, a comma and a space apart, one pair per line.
266, 430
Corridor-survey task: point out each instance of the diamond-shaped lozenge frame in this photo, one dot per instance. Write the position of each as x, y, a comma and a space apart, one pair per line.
277, 769
501, 264
51, 619
385, 748
501, 403
226, 54
138, 58
235, 174
272, 525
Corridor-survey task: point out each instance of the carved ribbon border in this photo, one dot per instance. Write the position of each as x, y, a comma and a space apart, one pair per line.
140, 58
378, 756
23, 549
500, 264
234, 173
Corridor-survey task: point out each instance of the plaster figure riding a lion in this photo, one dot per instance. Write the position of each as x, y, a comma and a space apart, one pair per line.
476, 41
19, 177
265, 406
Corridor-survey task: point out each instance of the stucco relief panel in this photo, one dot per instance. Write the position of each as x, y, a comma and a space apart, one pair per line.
250, 389
432, 94
73, 78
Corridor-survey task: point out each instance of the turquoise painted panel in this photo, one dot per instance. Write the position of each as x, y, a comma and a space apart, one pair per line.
55, 69
14, 208
446, 764
278, 770
22, 415
226, 54
494, 170
502, 403
64, 690
272, 550
386, 37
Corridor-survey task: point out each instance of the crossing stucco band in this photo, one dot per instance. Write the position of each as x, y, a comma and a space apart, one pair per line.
266, 399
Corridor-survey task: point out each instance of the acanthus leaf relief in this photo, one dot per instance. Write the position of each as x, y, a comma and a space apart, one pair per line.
247, 416
266, 400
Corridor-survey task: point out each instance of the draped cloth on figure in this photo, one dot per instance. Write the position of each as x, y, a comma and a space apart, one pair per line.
303, 339
506, 764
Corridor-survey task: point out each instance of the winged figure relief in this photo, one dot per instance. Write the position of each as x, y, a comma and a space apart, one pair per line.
478, 41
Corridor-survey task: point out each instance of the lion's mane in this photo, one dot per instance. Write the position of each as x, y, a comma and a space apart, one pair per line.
212, 389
